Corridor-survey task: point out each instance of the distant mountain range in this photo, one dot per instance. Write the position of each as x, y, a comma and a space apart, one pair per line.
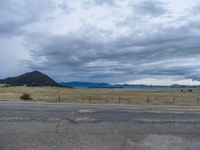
34, 78
104, 85
184, 86
37, 78
85, 84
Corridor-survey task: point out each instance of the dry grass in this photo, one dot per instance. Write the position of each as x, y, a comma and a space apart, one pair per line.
111, 96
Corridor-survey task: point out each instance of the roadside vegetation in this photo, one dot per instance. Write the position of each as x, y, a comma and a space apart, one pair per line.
102, 96
26, 96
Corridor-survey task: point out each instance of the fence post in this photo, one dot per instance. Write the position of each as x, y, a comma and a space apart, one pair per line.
90, 99
59, 98
112, 94
197, 100
148, 100
174, 99
119, 100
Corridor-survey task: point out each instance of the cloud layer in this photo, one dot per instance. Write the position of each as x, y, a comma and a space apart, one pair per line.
104, 40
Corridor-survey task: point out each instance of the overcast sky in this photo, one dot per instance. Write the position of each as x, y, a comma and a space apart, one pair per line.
114, 41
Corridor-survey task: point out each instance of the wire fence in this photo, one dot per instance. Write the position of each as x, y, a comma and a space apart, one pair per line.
151, 100
103, 96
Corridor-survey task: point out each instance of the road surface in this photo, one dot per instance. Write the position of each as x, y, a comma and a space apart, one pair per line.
40, 126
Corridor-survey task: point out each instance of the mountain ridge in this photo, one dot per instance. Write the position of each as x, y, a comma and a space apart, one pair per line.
34, 78
105, 85
86, 84
37, 78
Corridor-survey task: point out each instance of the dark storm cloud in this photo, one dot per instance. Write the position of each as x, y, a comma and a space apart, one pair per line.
98, 50
166, 52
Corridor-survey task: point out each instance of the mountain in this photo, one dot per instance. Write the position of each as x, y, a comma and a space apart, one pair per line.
34, 78
86, 84
142, 86
106, 85
184, 86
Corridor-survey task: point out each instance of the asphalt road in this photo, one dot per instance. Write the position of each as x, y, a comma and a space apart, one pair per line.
40, 126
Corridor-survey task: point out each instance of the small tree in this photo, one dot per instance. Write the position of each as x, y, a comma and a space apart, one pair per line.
26, 97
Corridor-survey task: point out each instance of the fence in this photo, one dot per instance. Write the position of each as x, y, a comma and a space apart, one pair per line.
151, 100
103, 96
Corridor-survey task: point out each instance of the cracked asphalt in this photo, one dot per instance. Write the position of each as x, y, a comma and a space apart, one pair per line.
44, 126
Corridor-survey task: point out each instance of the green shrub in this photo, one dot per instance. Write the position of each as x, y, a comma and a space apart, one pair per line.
26, 97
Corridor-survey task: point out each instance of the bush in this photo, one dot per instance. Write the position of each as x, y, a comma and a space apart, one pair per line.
26, 97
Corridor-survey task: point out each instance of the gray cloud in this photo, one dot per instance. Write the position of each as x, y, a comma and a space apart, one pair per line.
168, 52
150, 8
101, 2
91, 3
17, 15
137, 48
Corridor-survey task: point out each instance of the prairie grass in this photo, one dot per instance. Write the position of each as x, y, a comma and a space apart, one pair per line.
102, 96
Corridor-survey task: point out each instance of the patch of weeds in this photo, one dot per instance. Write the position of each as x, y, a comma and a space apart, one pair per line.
26, 97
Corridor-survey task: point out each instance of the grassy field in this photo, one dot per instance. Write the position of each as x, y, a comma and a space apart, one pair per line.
110, 96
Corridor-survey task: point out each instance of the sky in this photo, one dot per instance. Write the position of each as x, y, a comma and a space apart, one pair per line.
155, 42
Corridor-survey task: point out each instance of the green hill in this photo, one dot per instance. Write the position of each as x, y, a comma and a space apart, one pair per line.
34, 78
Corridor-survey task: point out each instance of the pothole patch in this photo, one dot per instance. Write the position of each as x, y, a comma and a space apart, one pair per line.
86, 120
86, 111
